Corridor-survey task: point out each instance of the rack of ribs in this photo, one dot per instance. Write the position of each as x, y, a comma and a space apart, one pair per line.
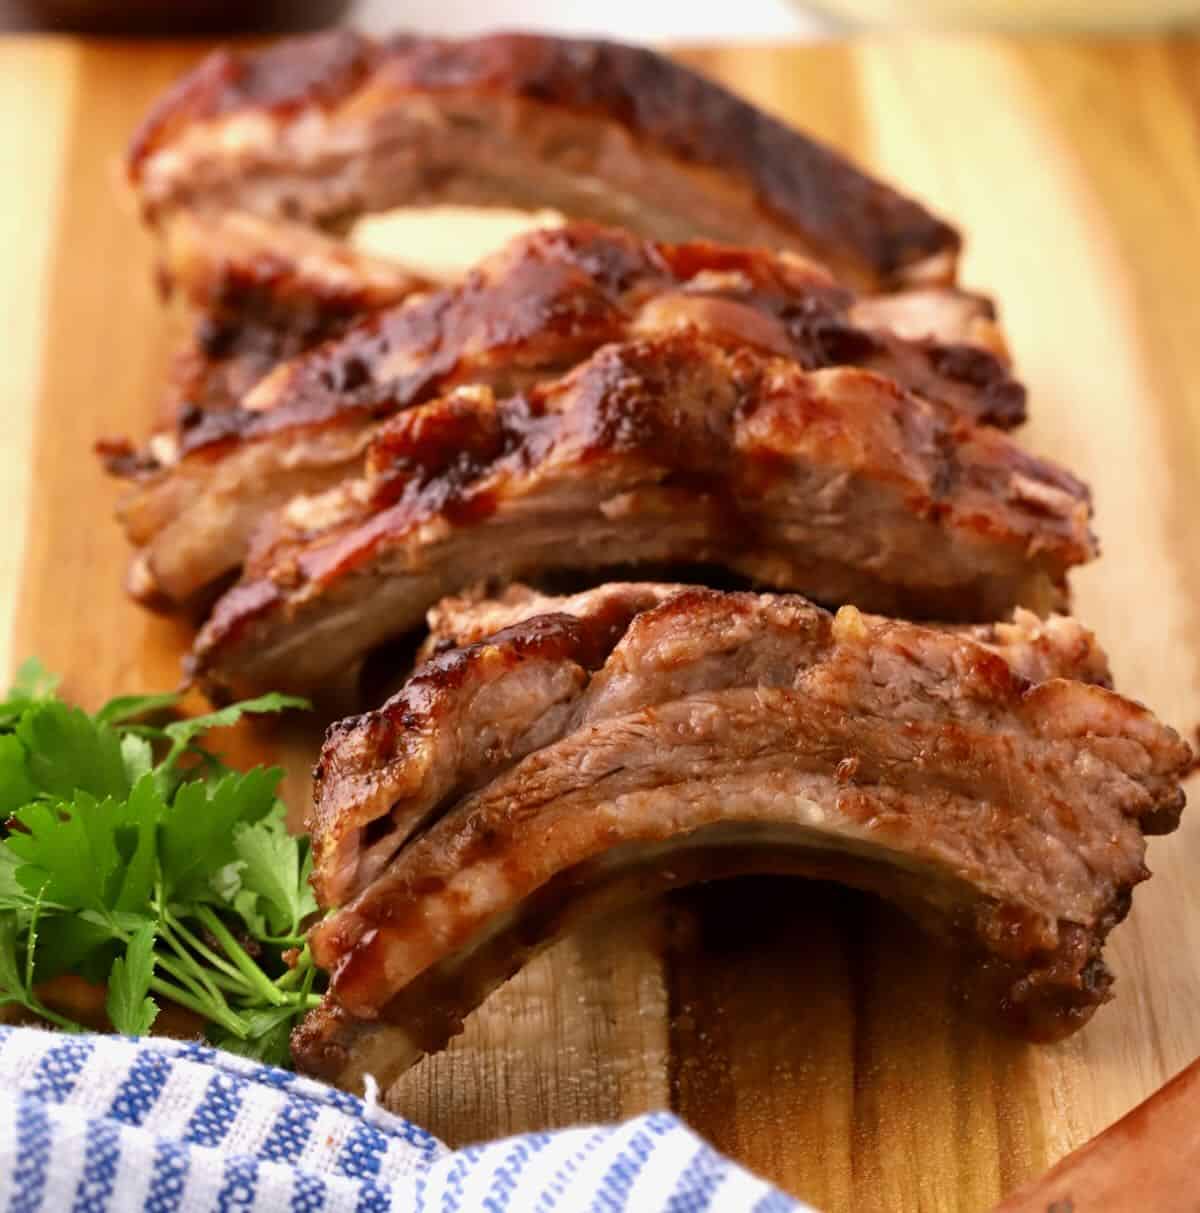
623, 396
606, 747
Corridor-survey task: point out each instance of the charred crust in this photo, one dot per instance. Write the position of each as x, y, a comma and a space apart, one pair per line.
551, 637
550, 299
123, 460
1046, 993
316, 1041
797, 180
282, 78
1164, 817
433, 685
700, 425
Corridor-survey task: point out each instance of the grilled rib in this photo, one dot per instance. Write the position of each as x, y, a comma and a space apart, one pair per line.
255, 293
659, 452
547, 300
328, 128
637, 738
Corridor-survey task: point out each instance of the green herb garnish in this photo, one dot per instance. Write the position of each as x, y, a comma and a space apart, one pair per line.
134, 858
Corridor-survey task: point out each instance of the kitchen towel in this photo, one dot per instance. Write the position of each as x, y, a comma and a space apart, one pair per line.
97, 1123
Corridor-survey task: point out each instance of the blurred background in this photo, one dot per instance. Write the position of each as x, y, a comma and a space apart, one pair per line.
634, 20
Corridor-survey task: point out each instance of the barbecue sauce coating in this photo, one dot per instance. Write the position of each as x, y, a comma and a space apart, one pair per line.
787, 183
982, 779
835, 482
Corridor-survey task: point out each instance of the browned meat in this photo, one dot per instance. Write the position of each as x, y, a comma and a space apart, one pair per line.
327, 128
262, 292
1034, 648
240, 265
533, 310
654, 453
256, 293
479, 612
636, 738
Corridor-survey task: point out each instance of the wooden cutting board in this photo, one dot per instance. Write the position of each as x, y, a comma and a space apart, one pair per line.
806, 1030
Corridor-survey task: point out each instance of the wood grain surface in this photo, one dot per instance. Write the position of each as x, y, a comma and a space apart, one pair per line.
806, 1030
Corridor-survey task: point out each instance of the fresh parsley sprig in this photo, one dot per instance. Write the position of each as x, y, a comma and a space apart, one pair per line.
134, 858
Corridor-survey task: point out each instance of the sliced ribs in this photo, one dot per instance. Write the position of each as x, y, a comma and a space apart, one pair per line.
545, 301
326, 129
655, 453
255, 293
638, 738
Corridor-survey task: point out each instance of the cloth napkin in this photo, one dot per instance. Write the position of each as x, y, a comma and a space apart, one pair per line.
96, 1123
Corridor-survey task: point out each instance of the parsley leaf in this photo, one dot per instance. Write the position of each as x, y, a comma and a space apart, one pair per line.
13, 895
136, 826
267, 1038
33, 681
67, 751
133, 707
70, 851
33, 684
135, 858
197, 837
16, 787
184, 731
12, 983
137, 755
274, 869
129, 1006
75, 943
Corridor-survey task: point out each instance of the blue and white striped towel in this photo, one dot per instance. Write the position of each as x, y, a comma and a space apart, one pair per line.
99, 1123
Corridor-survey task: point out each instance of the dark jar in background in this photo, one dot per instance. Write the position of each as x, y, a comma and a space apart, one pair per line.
172, 18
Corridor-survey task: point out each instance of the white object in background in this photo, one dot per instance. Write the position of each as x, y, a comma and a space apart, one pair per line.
444, 242
628, 20
1020, 14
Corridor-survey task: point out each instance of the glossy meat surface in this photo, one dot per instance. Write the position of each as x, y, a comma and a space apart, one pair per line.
653, 453
639, 737
329, 128
543, 303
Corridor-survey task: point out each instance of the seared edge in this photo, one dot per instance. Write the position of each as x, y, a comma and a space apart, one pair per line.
308, 97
